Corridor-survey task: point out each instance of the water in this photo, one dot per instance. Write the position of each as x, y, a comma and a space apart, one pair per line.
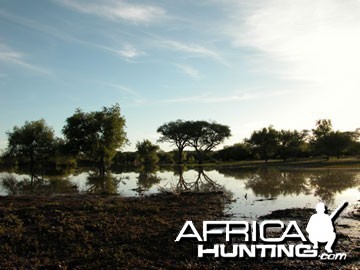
254, 192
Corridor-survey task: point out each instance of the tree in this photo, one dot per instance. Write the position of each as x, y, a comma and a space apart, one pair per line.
328, 142
147, 153
205, 136
32, 144
291, 143
236, 152
337, 143
96, 135
166, 158
319, 140
175, 132
323, 128
264, 142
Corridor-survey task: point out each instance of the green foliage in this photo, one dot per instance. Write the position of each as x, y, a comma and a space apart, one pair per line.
264, 142
166, 157
127, 159
147, 153
237, 151
96, 135
291, 143
323, 128
328, 142
205, 136
201, 135
176, 133
32, 144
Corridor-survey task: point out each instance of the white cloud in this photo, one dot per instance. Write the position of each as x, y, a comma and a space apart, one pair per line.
313, 41
193, 49
190, 71
130, 51
16, 58
117, 10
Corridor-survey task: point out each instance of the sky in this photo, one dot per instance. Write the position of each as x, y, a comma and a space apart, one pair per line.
245, 64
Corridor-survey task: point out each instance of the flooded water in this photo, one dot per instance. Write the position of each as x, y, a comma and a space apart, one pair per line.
254, 192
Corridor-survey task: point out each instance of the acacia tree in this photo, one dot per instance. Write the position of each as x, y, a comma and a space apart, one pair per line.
175, 132
32, 144
264, 142
205, 136
96, 135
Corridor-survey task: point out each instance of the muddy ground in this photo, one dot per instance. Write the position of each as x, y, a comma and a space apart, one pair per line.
111, 232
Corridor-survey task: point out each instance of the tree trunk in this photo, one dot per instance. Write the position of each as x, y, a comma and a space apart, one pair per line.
102, 167
200, 156
32, 169
180, 155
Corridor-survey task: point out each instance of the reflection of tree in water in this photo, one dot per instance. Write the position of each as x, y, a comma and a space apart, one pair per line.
239, 174
327, 183
147, 178
272, 183
201, 183
103, 184
40, 186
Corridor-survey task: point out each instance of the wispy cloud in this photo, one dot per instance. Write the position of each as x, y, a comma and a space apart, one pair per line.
117, 10
211, 99
128, 51
193, 49
16, 58
188, 70
34, 25
302, 39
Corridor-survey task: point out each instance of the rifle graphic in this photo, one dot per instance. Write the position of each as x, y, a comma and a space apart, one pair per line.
334, 215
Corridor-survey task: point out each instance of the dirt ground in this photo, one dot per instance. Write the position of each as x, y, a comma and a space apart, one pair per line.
111, 232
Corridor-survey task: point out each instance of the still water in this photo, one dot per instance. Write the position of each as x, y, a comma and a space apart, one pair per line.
254, 192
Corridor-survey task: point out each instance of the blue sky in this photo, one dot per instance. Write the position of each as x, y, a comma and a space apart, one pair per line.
246, 64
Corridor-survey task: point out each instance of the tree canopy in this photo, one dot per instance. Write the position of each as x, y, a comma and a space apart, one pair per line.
177, 133
328, 142
96, 135
147, 153
33, 144
264, 142
203, 136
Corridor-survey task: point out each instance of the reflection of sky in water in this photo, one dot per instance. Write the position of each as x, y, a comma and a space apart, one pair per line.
255, 193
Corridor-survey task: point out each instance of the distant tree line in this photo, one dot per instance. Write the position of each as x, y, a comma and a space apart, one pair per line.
269, 143
95, 139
